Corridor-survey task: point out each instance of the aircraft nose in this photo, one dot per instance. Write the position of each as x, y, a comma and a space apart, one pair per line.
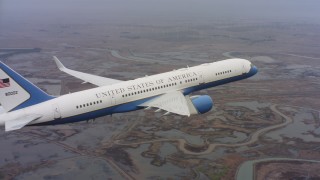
253, 70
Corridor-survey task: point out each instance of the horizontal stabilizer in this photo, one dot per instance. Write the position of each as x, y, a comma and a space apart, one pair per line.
93, 79
20, 122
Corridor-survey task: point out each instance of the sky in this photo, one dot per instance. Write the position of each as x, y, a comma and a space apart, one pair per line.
154, 10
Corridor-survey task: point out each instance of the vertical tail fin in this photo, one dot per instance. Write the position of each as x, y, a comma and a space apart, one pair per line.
16, 92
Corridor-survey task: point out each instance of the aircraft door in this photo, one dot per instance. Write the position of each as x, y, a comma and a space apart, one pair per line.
56, 112
243, 69
113, 100
201, 78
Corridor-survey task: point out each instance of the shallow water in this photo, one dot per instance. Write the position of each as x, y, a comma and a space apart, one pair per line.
298, 129
252, 105
74, 168
176, 134
146, 170
237, 137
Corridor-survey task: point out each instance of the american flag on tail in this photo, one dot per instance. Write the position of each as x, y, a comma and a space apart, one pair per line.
4, 83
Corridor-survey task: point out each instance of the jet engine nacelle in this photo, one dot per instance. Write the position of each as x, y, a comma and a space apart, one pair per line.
202, 103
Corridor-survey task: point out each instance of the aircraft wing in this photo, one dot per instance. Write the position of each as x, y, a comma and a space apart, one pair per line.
20, 122
172, 102
93, 79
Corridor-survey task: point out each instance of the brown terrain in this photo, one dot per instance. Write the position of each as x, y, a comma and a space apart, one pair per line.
273, 114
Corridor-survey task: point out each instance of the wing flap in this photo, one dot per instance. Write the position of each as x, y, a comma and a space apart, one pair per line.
20, 122
93, 79
173, 102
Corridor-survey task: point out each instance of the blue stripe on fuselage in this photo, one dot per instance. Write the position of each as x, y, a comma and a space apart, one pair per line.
132, 106
252, 72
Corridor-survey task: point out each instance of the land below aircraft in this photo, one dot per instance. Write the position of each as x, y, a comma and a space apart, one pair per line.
24, 104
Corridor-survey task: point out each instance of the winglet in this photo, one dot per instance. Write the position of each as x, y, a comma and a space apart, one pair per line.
93, 79
59, 64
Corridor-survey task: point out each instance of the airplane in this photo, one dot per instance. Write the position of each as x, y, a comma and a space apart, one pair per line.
24, 104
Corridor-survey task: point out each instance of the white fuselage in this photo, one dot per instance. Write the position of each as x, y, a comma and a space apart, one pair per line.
120, 97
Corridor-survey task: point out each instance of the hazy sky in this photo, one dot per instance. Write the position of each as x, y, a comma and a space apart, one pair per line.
118, 10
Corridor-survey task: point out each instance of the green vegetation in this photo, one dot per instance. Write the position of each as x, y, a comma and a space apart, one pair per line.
219, 173
215, 174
